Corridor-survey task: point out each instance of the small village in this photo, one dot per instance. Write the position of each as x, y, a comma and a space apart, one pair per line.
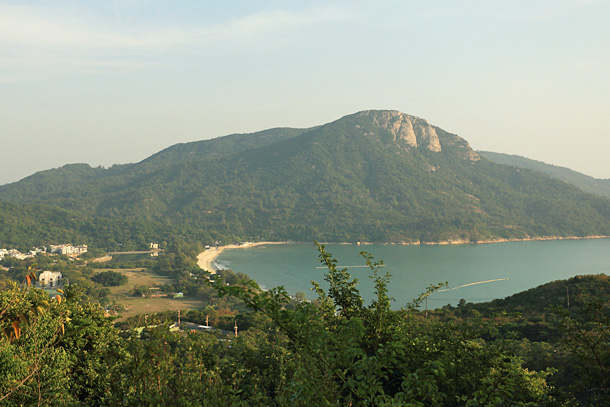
47, 279
66, 249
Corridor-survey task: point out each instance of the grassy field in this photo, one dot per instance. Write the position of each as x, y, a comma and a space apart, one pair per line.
135, 306
137, 277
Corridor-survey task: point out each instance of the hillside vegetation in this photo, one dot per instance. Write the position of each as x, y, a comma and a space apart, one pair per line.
582, 181
377, 176
335, 351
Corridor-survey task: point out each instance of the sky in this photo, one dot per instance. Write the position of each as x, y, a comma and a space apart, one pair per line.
113, 82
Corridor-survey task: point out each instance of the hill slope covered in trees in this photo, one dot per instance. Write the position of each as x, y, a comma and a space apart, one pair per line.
582, 181
378, 176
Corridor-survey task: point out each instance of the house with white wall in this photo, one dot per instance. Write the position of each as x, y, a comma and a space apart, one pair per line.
50, 279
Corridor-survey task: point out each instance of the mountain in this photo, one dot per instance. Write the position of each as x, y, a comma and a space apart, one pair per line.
582, 181
379, 176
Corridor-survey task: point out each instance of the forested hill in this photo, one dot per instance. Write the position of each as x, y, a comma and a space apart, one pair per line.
582, 181
24, 226
379, 176
221, 146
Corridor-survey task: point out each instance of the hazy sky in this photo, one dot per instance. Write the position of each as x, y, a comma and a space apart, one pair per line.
105, 82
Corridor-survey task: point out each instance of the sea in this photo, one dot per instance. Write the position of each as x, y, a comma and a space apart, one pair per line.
475, 273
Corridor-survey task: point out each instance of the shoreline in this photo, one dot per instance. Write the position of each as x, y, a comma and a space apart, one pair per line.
452, 242
206, 259
490, 241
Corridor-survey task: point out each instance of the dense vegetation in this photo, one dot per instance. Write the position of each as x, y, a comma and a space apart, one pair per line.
110, 278
528, 349
24, 226
582, 181
349, 180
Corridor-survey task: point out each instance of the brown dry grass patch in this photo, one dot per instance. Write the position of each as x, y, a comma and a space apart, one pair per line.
136, 306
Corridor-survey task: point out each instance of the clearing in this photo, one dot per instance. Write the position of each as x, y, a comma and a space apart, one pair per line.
147, 305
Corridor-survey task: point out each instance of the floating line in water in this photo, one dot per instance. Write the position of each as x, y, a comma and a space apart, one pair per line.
343, 267
478, 282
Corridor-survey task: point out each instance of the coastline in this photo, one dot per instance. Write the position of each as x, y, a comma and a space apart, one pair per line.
206, 259
463, 241
500, 240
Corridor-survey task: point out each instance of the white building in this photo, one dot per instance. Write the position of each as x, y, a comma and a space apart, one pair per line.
68, 249
49, 279
35, 251
16, 254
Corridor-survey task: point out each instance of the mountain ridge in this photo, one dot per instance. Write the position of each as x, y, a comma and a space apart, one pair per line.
585, 182
375, 176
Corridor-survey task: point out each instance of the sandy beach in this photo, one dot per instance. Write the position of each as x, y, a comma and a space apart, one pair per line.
205, 259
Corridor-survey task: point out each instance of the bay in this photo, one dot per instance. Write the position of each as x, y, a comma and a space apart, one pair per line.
468, 269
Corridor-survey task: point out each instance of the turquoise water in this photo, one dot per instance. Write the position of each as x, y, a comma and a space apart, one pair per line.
520, 265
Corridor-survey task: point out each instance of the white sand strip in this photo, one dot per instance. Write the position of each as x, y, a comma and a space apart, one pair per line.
205, 259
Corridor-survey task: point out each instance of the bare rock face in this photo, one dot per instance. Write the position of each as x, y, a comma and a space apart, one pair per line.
472, 155
415, 131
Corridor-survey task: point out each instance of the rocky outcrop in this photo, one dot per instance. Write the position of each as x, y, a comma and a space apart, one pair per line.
416, 132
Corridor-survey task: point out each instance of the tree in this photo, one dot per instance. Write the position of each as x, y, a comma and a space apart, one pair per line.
587, 338
54, 351
376, 356
31, 365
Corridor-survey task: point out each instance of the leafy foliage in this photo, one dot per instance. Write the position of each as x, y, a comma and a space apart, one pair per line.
336, 350
60, 353
382, 357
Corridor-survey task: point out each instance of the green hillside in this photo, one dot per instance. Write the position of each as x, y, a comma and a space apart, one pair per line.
25, 226
582, 181
379, 176
574, 293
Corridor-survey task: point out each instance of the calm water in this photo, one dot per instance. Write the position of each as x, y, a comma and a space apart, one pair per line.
523, 265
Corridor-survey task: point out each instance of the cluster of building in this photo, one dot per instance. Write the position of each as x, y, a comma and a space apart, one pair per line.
46, 279
66, 249
21, 256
